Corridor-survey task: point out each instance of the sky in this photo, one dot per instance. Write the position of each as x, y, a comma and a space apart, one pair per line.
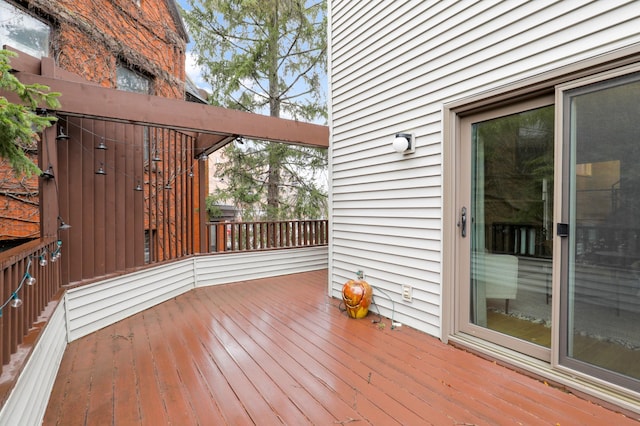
193, 71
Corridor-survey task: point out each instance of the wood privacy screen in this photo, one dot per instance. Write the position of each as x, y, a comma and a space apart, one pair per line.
129, 193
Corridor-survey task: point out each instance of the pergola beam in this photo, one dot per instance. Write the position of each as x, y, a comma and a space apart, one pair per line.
89, 100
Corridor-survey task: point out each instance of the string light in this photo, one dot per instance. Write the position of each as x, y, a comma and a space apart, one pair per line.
14, 300
29, 279
100, 170
183, 168
56, 253
43, 258
102, 145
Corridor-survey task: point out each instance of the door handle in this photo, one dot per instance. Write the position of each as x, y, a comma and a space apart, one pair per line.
462, 223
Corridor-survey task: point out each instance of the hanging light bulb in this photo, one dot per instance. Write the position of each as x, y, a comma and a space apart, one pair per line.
102, 145
63, 226
29, 280
61, 135
43, 258
57, 252
47, 174
101, 170
16, 302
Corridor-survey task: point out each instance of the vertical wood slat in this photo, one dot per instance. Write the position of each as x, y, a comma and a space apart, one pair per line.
175, 235
6, 319
123, 198
180, 187
188, 191
73, 191
99, 193
133, 199
12, 313
114, 165
88, 200
138, 134
162, 198
62, 193
162, 195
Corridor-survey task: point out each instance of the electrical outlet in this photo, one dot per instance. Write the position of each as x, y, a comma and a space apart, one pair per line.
407, 293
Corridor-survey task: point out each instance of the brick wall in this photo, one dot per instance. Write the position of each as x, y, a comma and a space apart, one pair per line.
88, 38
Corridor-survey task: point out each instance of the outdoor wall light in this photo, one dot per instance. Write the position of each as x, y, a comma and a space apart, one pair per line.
404, 143
47, 174
63, 226
62, 136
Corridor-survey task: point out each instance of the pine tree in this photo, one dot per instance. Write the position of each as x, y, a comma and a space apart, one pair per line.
269, 57
21, 122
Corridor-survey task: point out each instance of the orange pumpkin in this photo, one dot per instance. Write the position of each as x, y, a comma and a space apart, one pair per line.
357, 295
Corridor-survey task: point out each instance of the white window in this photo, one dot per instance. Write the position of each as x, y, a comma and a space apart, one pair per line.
132, 81
23, 32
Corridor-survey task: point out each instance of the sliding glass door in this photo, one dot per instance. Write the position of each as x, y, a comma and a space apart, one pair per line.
547, 245
505, 226
601, 284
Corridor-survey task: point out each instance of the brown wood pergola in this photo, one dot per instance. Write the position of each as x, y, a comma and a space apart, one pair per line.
112, 227
212, 124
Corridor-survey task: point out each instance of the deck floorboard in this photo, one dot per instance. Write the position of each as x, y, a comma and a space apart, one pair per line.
280, 351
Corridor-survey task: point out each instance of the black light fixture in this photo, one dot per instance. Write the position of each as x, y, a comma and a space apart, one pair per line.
102, 145
47, 174
101, 170
138, 187
63, 226
62, 136
156, 158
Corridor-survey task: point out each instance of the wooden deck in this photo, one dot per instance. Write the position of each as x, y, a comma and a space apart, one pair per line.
279, 351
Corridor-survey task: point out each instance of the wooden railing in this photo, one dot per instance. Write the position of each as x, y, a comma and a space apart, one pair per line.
30, 280
252, 236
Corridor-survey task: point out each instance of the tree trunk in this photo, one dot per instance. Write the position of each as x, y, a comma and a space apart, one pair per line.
273, 182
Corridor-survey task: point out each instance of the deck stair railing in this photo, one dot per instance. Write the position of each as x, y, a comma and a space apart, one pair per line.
268, 235
29, 281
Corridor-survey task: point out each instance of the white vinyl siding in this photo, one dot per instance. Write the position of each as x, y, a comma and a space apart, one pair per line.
392, 66
30, 395
94, 306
